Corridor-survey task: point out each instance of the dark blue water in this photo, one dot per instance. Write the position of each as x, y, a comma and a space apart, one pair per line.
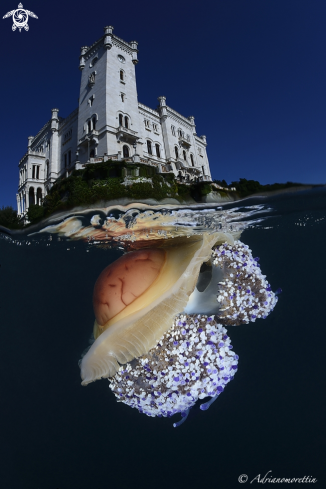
271, 417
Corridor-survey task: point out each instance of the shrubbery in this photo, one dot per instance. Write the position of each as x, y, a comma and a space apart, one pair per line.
35, 213
103, 182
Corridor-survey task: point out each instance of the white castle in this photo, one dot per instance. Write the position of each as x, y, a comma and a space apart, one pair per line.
110, 123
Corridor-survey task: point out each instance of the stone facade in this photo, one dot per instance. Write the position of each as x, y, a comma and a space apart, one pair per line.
110, 123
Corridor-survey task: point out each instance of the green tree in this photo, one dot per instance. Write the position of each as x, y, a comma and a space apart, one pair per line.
9, 218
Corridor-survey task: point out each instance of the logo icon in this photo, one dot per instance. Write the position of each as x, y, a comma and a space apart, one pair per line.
20, 18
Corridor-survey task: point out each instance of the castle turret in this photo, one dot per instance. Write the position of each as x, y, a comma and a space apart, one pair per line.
108, 116
54, 148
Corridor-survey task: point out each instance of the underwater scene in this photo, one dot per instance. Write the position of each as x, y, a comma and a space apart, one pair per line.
165, 346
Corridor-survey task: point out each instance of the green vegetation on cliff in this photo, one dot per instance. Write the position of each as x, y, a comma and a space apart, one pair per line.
103, 182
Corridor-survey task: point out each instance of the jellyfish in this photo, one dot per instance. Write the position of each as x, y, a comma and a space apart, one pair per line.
137, 297
161, 313
193, 360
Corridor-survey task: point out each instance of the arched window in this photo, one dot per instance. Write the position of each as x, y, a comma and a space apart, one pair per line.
125, 150
92, 153
120, 120
126, 122
39, 196
121, 75
176, 152
47, 169
149, 147
157, 147
31, 196
192, 160
89, 126
94, 122
184, 155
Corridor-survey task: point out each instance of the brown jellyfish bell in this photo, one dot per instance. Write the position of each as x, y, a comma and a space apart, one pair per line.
137, 297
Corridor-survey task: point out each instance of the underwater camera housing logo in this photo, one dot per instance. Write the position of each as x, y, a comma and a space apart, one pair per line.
20, 18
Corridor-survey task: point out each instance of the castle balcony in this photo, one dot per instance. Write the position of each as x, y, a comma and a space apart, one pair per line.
96, 159
181, 164
167, 168
126, 134
184, 142
90, 136
194, 171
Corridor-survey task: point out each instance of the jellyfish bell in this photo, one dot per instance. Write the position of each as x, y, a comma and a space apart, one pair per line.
124, 281
132, 316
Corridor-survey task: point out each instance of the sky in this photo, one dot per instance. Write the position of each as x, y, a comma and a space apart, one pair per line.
252, 72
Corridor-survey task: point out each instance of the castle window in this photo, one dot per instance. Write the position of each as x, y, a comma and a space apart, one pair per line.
89, 126
94, 123
91, 100
184, 155
92, 153
69, 158
149, 147
47, 169
31, 196
38, 196
65, 160
155, 127
91, 79
120, 120
147, 124
95, 60
157, 147
188, 137
122, 97
203, 170
126, 122
125, 150
179, 133
176, 152
121, 75
37, 172
33, 171
192, 160
173, 130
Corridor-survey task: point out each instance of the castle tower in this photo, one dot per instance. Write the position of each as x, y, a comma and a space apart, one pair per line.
108, 118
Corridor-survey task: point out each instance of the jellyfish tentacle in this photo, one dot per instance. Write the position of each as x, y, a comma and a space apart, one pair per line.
206, 405
184, 416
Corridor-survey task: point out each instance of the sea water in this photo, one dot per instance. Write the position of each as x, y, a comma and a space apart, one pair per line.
57, 434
